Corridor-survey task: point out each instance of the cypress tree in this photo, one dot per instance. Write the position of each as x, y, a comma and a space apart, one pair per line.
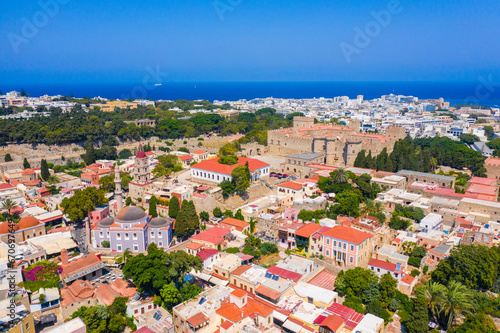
89, 156
192, 217
359, 162
173, 207
7, 157
44, 170
26, 164
152, 206
382, 160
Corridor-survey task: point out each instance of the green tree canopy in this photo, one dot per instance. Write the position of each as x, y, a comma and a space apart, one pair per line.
83, 202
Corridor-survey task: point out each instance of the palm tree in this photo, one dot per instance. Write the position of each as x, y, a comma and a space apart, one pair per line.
8, 205
457, 300
125, 256
368, 208
378, 207
340, 176
433, 292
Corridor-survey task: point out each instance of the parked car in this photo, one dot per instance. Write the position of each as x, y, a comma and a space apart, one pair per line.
285, 175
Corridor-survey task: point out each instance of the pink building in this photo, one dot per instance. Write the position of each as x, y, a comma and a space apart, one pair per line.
100, 213
347, 246
291, 214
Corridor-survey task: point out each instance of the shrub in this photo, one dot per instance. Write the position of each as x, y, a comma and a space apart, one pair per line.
228, 160
105, 244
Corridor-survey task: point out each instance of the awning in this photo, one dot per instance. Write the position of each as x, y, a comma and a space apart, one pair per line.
218, 281
292, 326
281, 317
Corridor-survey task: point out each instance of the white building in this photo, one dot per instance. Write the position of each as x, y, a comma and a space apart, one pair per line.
213, 171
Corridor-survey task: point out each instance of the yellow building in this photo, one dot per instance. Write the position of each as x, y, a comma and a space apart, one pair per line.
110, 106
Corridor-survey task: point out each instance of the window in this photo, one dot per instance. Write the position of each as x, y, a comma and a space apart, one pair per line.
351, 259
345, 246
126, 236
328, 241
135, 236
327, 253
334, 243
152, 234
136, 247
160, 235
101, 234
352, 248
118, 236
160, 243
119, 248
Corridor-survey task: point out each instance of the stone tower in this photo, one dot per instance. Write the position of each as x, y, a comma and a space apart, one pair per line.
141, 168
118, 190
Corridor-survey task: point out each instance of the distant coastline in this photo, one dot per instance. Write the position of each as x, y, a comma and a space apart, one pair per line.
453, 92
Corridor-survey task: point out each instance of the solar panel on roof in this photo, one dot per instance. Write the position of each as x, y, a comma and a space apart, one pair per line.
269, 275
275, 277
157, 316
202, 300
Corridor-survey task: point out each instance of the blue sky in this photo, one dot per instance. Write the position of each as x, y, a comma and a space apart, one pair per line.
253, 40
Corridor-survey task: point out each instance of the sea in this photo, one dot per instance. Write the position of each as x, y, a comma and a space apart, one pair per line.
476, 92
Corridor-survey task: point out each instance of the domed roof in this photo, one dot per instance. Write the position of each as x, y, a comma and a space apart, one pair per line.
105, 223
28, 222
28, 172
158, 222
131, 214
5, 228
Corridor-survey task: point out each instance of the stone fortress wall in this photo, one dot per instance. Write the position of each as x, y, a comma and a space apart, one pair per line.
339, 144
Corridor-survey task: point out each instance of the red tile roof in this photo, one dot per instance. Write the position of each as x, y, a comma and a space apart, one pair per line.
482, 181
197, 319
80, 264
238, 224
408, 279
214, 235
269, 293
348, 234
226, 325
5, 186
284, 273
333, 322
186, 157
232, 312
238, 293
324, 280
350, 317
383, 264
213, 165
292, 185
207, 253
307, 230
194, 246
240, 270
198, 152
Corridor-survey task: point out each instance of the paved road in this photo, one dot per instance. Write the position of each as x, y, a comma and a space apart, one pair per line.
79, 235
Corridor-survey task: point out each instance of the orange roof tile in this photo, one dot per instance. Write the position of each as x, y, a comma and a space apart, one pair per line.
307, 230
333, 322
197, 319
239, 224
348, 234
292, 185
80, 264
238, 293
214, 165
240, 270
232, 312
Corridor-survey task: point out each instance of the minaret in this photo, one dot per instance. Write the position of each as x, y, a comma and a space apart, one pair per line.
118, 190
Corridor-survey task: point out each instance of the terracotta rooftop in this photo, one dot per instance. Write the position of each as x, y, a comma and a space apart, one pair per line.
307, 230
348, 234
324, 280
199, 152
240, 270
284, 273
238, 224
214, 235
333, 322
194, 246
383, 264
197, 319
214, 165
274, 295
232, 312
238, 293
80, 264
482, 181
292, 185
119, 288
207, 253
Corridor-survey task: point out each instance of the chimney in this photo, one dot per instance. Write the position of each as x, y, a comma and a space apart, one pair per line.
64, 257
